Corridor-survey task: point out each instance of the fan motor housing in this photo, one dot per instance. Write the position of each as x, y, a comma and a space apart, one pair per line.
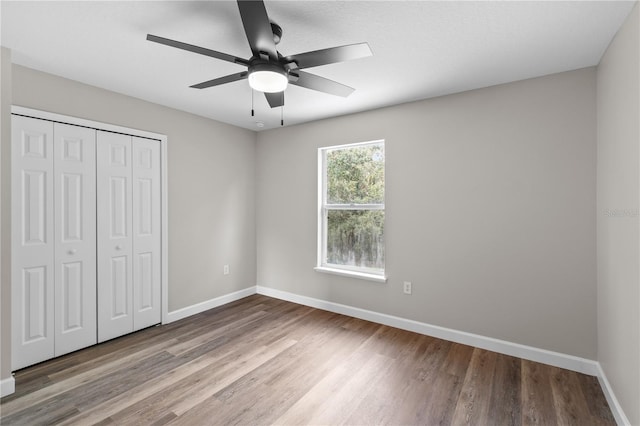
262, 65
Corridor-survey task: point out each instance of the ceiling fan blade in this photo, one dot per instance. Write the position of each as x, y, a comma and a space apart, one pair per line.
331, 55
257, 27
275, 99
222, 80
321, 84
197, 49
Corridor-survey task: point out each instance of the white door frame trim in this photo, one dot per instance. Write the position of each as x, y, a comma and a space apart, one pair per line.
60, 118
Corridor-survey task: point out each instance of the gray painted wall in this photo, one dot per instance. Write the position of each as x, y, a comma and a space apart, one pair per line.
5, 219
618, 222
490, 211
211, 189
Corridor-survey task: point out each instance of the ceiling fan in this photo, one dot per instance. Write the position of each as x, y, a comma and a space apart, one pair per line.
268, 70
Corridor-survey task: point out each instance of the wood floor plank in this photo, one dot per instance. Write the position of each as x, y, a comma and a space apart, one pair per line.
436, 394
221, 321
504, 406
328, 395
149, 388
112, 352
596, 400
106, 369
350, 387
435, 405
537, 397
93, 392
293, 374
186, 345
240, 368
473, 403
196, 388
263, 361
569, 401
458, 359
405, 389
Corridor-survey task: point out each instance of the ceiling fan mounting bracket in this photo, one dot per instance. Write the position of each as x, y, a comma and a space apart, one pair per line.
293, 76
290, 66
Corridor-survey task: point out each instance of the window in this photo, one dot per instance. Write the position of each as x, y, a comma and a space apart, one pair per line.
351, 210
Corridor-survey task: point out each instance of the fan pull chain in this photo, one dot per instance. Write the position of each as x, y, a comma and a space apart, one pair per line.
282, 114
252, 114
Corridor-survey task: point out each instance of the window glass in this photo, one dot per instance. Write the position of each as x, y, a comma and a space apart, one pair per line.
356, 175
351, 219
356, 238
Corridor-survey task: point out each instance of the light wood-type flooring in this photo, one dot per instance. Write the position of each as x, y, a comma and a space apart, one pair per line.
264, 361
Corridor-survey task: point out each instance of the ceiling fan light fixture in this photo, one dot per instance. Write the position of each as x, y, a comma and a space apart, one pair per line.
267, 78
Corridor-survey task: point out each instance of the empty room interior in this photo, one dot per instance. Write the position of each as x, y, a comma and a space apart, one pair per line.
320, 212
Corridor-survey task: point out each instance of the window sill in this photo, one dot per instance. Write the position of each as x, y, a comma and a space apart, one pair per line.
352, 274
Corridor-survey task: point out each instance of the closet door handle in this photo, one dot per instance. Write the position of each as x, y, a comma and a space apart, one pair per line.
118, 247
72, 251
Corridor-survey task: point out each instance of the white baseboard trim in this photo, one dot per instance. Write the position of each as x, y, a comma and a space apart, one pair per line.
616, 409
569, 362
209, 304
7, 386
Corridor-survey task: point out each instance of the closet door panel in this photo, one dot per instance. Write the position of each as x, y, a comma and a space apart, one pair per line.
146, 232
115, 267
75, 234
32, 241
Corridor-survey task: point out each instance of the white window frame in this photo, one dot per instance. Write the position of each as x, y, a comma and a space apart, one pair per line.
323, 209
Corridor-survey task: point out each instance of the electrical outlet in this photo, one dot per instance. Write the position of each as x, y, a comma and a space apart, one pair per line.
226, 269
407, 287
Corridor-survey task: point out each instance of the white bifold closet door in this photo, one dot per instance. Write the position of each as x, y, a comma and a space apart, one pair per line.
146, 232
53, 240
32, 242
75, 235
128, 187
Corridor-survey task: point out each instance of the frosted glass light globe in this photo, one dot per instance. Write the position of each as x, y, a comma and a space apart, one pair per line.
268, 81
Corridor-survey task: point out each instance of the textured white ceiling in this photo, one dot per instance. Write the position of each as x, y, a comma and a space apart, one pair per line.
421, 49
